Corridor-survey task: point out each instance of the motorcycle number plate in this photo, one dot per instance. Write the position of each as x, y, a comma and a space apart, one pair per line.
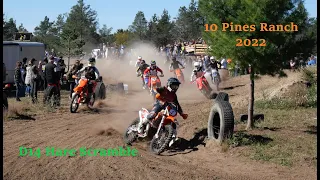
172, 112
154, 79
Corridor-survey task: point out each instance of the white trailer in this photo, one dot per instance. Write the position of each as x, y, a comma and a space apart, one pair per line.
14, 51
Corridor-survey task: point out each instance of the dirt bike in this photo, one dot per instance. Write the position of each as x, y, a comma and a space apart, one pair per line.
82, 97
178, 74
131, 134
203, 86
166, 130
216, 79
155, 82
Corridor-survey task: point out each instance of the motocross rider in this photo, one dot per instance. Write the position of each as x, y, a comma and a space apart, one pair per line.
164, 94
91, 74
175, 64
143, 66
213, 64
138, 61
152, 71
197, 71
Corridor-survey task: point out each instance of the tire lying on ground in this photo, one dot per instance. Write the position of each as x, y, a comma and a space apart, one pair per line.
100, 91
220, 121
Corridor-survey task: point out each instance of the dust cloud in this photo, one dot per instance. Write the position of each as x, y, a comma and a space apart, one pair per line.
123, 109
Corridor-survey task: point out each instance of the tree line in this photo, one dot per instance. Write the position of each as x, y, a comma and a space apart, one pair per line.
78, 31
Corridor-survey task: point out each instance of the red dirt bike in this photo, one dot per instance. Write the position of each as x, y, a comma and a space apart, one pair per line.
82, 96
162, 129
178, 74
155, 82
203, 86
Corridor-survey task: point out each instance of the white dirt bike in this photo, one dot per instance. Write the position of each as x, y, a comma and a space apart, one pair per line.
215, 78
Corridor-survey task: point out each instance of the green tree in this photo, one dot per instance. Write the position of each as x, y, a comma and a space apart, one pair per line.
151, 33
139, 25
106, 36
9, 30
188, 23
21, 28
263, 60
82, 21
45, 33
164, 30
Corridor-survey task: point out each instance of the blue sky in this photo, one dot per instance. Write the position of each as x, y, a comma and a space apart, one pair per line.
114, 13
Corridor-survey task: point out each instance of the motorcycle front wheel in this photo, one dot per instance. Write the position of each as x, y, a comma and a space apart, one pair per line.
158, 145
74, 105
131, 134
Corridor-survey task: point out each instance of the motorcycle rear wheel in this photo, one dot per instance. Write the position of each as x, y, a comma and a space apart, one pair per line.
157, 148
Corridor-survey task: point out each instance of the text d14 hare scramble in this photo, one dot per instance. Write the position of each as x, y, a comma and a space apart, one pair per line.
250, 28
83, 151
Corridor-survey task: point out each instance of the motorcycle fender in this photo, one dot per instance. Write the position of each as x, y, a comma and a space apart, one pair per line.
199, 83
143, 115
168, 120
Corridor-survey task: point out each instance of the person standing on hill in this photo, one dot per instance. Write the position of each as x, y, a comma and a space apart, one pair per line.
18, 79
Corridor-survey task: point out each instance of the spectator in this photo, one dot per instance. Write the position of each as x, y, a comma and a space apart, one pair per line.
43, 67
72, 81
312, 61
292, 65
35, 78
24, 68
27, 80
224, 63
18, 80
51, 75
62, 68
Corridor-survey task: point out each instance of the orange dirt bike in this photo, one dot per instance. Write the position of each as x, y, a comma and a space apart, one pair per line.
155, 82
178, 74
81, 95
162, 129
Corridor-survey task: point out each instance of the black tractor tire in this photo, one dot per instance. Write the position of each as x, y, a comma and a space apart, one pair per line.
100, 91
168, 128
220, 121
222, 96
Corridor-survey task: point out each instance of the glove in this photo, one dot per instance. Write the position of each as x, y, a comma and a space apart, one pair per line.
184, 116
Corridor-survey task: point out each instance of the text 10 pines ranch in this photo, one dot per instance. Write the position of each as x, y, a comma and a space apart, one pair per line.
263, 27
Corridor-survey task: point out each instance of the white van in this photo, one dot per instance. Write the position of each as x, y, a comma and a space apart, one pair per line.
14, 51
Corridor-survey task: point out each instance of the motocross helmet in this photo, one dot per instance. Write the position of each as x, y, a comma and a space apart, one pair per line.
91, 62
139, 58
173, 84
153, 64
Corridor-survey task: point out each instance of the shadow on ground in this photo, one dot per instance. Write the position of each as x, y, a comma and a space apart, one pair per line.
232, 87
183, 146
19, 116
311, 130
241, 138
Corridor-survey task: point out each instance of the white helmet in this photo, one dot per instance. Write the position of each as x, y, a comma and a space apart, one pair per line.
139, 58
196, 64
212, 58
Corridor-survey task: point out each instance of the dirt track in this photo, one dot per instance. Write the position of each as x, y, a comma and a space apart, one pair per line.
105, 128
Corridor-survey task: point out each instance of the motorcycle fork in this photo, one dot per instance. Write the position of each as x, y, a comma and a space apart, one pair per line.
160, 126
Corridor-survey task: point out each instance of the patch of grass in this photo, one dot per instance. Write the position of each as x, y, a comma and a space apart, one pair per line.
286, 137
